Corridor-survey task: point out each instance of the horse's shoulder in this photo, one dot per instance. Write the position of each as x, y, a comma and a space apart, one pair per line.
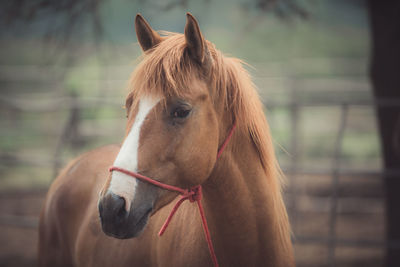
71, 194
89, 163
80, 179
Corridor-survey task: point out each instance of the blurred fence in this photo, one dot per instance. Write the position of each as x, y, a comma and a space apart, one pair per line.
362, 204
337, 214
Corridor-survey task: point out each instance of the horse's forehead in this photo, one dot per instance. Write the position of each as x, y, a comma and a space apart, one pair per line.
145, 104
178, 85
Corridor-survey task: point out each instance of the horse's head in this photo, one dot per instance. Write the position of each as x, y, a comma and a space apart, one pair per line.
173, 128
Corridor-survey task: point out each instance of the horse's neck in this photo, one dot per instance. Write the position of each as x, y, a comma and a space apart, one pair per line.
246, 217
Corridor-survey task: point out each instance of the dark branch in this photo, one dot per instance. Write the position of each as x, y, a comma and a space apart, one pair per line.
284, 9
63, 17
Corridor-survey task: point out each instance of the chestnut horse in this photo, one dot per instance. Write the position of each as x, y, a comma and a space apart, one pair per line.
185, 99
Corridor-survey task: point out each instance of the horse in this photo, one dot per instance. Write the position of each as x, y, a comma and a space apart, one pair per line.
194, 122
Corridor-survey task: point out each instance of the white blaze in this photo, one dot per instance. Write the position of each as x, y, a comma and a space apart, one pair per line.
121, 184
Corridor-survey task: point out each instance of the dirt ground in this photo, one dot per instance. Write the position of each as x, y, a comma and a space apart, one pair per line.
359, 227
359, 224
18, 243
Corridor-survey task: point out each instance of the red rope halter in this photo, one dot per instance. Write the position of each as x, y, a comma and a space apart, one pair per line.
193, 194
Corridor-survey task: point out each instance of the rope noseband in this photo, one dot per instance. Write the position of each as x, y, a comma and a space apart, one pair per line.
193, 194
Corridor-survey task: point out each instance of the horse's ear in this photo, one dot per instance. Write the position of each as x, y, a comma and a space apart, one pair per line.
146, 36
195, 42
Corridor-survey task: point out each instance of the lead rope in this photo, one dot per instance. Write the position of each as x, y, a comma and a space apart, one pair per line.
193, 194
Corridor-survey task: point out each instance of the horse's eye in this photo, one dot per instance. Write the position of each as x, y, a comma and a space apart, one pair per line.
181, 113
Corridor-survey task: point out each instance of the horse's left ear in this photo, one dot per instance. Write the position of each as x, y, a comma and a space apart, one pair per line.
195, 42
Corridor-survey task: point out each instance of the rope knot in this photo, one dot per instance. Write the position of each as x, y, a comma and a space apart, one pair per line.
194, 193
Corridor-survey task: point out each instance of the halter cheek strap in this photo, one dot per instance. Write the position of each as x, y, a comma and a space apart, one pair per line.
193, 194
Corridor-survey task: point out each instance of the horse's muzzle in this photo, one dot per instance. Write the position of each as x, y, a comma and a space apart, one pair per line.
119, 223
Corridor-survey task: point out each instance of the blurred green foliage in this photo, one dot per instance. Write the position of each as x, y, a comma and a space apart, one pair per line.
323, 58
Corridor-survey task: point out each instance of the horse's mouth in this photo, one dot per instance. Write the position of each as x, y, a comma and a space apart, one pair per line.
141, 224
132, 225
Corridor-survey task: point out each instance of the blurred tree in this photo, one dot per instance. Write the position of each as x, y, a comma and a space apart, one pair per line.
284, 9
385, 76
65, 16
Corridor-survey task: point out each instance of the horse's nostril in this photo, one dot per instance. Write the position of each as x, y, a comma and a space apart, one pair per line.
112, 208
119, 205
100, 206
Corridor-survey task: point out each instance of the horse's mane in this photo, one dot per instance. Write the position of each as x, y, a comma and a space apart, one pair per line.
167, 70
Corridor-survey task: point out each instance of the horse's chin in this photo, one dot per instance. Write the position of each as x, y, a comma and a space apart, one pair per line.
133, 226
